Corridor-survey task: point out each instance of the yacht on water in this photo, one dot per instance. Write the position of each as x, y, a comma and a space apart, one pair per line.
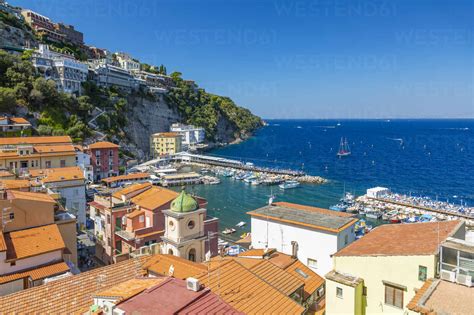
344, 149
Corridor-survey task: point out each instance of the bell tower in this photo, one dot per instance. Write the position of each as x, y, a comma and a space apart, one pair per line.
184, 228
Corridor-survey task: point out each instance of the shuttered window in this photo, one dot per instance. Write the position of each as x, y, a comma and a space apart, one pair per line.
393, 296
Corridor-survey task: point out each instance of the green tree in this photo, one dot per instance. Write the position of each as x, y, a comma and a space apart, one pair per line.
7, 100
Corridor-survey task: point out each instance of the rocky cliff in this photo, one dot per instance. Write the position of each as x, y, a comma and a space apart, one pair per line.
13, 37
146, 116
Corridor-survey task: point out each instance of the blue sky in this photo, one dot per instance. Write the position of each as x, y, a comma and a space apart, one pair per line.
298, 59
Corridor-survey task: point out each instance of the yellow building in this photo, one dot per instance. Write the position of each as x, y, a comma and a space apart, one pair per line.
381, 272
21, 154
165, 143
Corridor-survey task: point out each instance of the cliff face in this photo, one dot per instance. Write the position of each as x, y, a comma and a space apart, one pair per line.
146, 117
15, 37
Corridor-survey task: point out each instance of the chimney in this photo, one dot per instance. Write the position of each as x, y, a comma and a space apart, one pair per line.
294, 249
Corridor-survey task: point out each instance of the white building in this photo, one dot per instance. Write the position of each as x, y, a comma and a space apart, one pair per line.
69, 182
189, 133
127, 62
83, 160
65, 70
377, 192
319, 233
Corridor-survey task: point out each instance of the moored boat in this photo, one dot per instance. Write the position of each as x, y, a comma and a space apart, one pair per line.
289, 184
228, 231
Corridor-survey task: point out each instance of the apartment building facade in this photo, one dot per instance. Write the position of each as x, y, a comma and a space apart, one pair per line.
14, 126
190, 134
104, 159
21, 154
381, 272
165, 143
37, 241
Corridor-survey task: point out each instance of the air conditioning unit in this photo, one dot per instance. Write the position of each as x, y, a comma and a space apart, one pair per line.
464, 279
448, 275
193, 284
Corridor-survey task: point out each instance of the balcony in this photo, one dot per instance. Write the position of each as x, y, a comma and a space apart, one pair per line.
457, 261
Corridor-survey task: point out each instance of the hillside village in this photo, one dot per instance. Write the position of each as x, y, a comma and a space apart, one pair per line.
87, 228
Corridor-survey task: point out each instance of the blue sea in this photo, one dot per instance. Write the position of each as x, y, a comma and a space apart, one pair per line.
432, 158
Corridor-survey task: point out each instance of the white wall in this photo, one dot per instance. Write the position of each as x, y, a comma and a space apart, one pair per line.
314, 244
30, 262
402, 270
75, 199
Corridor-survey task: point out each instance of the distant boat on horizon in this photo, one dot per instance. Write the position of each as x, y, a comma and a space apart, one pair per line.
344, 149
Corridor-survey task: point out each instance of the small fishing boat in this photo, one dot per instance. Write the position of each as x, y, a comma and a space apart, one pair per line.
373, 214
240, 224
289, 184
249, 179
228, 231
395, 219
341, 207
344, 149
387, 215
222, 243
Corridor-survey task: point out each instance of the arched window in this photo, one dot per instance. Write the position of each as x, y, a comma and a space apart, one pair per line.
170, 251
192, 254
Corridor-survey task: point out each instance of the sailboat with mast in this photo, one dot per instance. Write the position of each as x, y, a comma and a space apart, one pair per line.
344, 149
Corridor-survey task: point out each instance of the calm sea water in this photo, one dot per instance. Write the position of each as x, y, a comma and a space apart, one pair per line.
424, 157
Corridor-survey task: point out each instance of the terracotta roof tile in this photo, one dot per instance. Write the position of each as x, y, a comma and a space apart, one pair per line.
37, 273
134, 214
256, 252
129, 288
33, 196
36, 140
131, 189
63, 174
3, 245
54, 148
413, 305
103, 145
19, 120
171, 297
72, 294
154, 198
132, 176
183, 268
14, 183
246, 292
32, 242
6, 174
402, 239
312, 281
277, 277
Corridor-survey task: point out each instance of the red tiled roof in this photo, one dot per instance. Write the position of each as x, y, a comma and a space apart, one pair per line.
103, 145
72, 294
32, 242
37, 273
172, 297
402, 239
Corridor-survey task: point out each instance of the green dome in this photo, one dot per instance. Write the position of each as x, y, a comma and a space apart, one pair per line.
184, 203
